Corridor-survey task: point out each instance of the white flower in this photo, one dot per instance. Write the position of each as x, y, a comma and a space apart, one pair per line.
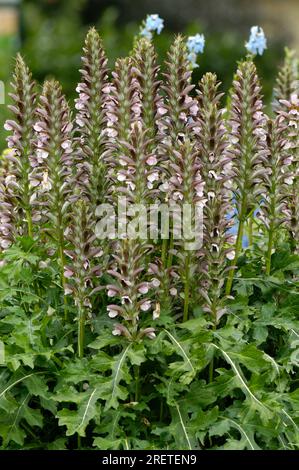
45, 184
155, 282
66, 144
161, 111
145, 306
111, 293
231, 255
121, 177
41, 155
68, 273
7, 126
107, 89
111, 132
38, 127
112, 313
152, 160
289, 180
178, 196
79, 121
143, 289
153, 177
116, 331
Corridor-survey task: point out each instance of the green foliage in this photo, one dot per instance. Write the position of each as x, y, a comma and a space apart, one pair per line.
47, 396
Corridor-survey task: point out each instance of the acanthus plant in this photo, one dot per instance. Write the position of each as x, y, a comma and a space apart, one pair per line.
80, 270
134, 182
91, 120
91, 136
175, 118
133, 177
291, 121
8, 213
124, 105
167, 347
21, 142
277, 180
217, 173
246, 143
287, 80
53, 172
147, 70
180, 107
186, 197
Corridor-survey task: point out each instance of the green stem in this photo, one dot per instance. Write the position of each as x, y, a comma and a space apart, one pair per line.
29, 223
250, 230
164, 251
62, 262
170, 255
211, 365
186, 288
28, 430
81, 331
238, 247
269, 251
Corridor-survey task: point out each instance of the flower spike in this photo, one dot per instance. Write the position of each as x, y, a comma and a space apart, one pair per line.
247, 142
287, 81
217, 174
22, 143
54, 168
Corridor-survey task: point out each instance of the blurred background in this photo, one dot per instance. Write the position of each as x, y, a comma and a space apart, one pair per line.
50, 34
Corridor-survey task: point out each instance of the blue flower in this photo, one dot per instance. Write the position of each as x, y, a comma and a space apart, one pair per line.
234, 231
146, 33
257, 41
193, 57
196, 43
245, 241
154, 23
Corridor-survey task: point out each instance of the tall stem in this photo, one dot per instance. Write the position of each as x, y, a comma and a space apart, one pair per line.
170, 255
211, 365
238, 247
29, 223
269, 251
186, 288
250, 230
62, 262
81, 331
80, 339
164, 252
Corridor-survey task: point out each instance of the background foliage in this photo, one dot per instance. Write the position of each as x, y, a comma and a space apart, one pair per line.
51, 34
